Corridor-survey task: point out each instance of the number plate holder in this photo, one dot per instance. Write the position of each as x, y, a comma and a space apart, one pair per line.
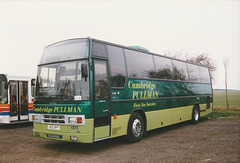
54, 136
53, 127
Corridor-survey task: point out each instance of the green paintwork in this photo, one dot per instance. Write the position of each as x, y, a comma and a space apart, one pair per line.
157, 95
83, 108
102, 108
148, 89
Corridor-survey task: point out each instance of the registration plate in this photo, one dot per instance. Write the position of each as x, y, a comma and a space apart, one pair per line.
53, 127
54, 136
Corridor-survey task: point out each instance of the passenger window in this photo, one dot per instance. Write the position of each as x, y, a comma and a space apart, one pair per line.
180, 70
204, 74
164, 68
193, 73
117, 66
99, 50
101, 80
139, 65
3, 92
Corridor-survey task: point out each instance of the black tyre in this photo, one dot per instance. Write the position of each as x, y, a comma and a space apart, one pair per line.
136, 128
195, 115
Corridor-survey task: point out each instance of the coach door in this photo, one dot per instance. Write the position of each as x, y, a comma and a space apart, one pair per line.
101, 100
18, 100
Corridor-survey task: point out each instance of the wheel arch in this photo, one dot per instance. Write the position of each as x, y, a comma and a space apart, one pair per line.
196, 104
142, 113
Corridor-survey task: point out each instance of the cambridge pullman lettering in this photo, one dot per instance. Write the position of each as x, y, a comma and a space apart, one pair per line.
58, 109
147, 92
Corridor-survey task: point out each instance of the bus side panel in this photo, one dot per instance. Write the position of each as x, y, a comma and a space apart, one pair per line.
4, 113
161, 118
119, 125
207, 111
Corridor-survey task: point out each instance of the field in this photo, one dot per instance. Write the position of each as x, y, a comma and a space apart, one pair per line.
219, 99
220, 109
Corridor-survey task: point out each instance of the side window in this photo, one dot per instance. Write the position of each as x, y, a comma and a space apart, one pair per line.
164, 68
204, 75
193, 73
117, 66
101, 80
3, 92
99, 50
139, 64
180, 70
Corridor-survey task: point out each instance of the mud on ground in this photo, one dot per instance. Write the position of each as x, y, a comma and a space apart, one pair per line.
208, 141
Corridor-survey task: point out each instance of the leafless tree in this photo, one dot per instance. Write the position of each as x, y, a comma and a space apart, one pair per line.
176, 54
205, 60
226, 64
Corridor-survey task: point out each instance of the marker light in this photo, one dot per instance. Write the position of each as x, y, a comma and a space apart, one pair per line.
79, 119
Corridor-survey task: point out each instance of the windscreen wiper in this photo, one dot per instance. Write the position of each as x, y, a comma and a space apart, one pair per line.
69, 98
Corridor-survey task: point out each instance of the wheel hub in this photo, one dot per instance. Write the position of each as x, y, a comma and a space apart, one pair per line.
137, 127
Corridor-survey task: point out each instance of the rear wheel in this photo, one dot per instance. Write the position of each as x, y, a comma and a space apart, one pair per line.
195, 115
135, 128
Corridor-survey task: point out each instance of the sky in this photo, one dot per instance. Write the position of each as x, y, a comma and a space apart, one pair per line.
188, 27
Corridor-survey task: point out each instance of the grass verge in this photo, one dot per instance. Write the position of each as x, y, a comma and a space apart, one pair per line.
219, 112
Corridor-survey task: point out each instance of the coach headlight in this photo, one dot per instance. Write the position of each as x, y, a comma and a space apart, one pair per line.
76, 120
36, 118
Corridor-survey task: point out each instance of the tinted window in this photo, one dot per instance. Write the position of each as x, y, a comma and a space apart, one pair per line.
66, 50
164, 68
193, 73
101, 80
204, 74
117, 65
180, 70
99, 50
139, 64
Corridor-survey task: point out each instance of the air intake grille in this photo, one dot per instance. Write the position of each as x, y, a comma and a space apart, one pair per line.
54, 119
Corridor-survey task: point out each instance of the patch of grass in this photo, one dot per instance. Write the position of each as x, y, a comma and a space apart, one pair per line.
233, 115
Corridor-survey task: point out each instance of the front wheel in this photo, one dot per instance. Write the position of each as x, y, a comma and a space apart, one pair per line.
135, 128
195, 115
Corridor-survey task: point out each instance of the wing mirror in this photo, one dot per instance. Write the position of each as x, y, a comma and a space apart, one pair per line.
84, 69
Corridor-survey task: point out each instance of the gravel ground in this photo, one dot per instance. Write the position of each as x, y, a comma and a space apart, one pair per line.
208, 141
